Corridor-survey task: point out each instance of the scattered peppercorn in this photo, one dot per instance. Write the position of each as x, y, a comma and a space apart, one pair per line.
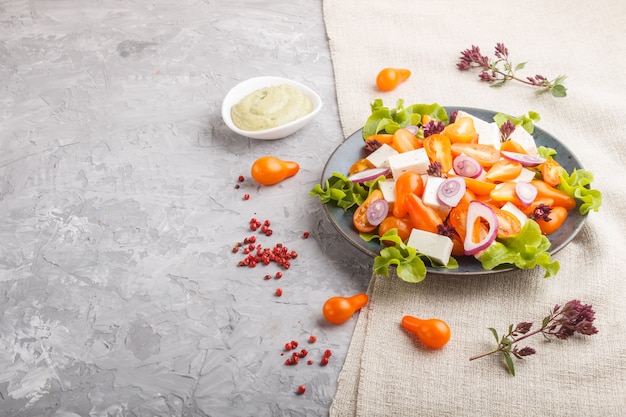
279, 292
301, 389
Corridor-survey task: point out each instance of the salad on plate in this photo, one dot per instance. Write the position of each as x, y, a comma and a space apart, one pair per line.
434, 188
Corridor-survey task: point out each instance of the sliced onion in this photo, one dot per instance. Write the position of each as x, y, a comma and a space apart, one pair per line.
467, 166
368, 174
412, 129
524, 159
475, 211
526, 192
377, 212
451, 190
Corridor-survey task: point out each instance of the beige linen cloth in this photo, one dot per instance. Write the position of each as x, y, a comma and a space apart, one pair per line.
387, 372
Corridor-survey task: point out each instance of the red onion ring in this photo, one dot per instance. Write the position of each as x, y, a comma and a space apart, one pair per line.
475, 211
525, 160
377, 212
526, 192
467, 166
368, 174
451, 191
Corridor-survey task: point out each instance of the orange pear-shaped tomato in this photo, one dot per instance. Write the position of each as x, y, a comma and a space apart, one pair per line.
434, 333
338, 310
270, 170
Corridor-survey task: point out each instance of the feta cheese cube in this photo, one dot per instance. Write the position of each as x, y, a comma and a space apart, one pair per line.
415, 160
526, 175
521, 136
490, 135
511, 208
388, 187
379, 158
430, 196
436, 247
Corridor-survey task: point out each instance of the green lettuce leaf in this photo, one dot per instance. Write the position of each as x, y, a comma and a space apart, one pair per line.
525, 250
576, 185
526, 121
388, 120
410, 266
340, 190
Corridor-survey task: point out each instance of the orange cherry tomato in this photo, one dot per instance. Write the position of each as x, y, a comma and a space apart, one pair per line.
389, 78
408, 182
528, 210
403, 141
403, 225
557, 216
550, 172
479, 187
504, 170
560, 198
422, 216
270, 170
359, 219
512, 146
437, 148
505, 193
361, 165
461, 131
338, 310
508, 224
433, 333
486, 155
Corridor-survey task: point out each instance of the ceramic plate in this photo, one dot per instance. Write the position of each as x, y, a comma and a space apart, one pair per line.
351, 150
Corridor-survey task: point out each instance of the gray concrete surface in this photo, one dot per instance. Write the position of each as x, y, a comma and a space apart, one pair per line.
119, 209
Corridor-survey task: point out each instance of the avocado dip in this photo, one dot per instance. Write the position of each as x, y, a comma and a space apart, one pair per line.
270, 107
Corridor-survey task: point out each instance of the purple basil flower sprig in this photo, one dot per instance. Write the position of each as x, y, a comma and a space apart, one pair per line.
562, 322
500, 70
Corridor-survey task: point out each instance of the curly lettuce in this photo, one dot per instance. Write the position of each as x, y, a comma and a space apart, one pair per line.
388, 120
525, 250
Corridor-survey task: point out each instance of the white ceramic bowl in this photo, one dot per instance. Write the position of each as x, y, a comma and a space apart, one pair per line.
246, 87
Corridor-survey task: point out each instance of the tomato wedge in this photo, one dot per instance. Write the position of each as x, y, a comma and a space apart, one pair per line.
361, 165
437, 148
486, 155
359, 219
461, 131
479, 187
504, 170
512, 146
508, 224
550, 171
403, 141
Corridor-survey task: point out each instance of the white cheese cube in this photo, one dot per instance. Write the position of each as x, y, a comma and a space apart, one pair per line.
526, 175
521, 136
388, 187
379, 158
415, 160
436, 247
490, 135
430, 196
